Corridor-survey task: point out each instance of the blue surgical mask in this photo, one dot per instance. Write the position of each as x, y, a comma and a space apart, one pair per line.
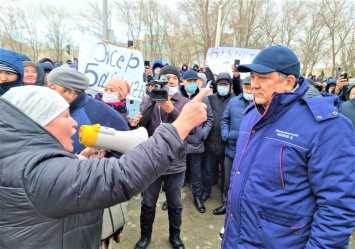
223, 90
248, 96
191, 87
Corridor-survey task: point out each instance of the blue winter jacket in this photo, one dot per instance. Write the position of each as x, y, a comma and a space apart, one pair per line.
13, 60
293, 177
87, 111
196, 141
230, 122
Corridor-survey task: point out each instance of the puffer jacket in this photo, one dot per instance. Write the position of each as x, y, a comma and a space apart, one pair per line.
290, 188
51, 199
13, 60
196, 141
214, 142
230, 122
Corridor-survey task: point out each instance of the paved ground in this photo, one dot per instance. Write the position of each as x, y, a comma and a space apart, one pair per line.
199, 231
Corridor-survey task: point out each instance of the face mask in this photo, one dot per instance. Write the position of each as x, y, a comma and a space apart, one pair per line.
106, 97
172, 90
191, 87
222, 90
248, 96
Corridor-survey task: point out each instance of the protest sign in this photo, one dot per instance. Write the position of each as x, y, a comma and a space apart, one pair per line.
221, 59
100, 62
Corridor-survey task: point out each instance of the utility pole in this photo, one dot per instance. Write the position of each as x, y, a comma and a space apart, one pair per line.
219, 18
104, 20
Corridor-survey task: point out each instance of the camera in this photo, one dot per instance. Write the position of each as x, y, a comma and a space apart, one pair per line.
159, 92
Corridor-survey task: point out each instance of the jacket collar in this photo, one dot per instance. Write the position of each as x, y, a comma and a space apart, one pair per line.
281, 100
78, 102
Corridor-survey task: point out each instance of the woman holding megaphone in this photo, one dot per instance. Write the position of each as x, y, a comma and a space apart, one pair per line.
50, 198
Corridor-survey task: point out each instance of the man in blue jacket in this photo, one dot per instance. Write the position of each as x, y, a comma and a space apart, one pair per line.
284, 193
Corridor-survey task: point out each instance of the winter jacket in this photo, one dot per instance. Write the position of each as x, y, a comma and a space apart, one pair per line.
153, 116
13, 60
195, 142
51, 199
230, 122
348, 110
290, 187
214, 142
88, 111
182, 70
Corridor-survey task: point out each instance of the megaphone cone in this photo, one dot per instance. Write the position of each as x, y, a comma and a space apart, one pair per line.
101, 137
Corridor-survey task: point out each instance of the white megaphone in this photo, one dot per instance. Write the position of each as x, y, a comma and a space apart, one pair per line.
100, 137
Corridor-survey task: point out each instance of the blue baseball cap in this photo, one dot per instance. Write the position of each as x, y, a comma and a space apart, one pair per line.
190, 75
274, 59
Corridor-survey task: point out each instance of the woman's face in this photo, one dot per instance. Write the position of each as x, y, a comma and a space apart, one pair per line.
30, 75
63, 128
110, 90
6, 76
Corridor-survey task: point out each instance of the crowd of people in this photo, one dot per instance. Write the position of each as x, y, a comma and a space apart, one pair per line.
287, 179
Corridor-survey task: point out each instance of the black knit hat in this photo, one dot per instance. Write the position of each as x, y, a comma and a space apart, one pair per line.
170, 69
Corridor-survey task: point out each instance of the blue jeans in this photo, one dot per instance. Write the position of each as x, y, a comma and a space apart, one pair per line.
172, 187
210, 161
194, 164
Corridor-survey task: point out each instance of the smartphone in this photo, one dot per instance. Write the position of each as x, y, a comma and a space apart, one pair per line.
338, 71
133, 106
129, 43
146, 63
344, 75
236, 64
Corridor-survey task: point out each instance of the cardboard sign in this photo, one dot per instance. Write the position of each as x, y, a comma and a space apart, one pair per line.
100, 62
221, 59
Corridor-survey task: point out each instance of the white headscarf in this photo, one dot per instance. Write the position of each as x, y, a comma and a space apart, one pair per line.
39, 103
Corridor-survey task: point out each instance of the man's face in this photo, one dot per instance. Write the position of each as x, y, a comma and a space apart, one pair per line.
63, 128
247, 88
173, 79
68, 95
264, 85
199, 83
157, 70
6, 76
30, 75
189, 82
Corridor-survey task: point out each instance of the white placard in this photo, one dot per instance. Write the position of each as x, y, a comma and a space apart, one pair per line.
221, 59
100, 62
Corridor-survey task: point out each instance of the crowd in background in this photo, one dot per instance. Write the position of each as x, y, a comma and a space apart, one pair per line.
211, 146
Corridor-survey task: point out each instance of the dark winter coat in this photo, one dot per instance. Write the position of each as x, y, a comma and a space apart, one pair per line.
51, 199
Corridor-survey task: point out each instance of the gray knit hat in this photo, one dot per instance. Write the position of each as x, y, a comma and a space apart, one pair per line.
69, 78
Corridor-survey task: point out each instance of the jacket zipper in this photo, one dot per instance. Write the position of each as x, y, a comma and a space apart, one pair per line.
237, 171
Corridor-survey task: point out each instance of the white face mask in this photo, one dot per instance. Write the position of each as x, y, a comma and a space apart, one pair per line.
106, 97
172, 90
248, 96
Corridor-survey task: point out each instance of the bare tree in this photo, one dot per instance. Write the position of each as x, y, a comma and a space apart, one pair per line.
338, 18
131, 13
58, 27
201, 16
